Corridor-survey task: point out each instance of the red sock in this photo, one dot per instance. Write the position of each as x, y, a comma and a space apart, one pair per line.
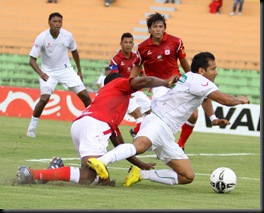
185, 134
62, 174
136, 129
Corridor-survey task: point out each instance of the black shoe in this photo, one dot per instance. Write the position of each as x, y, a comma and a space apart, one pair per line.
132, 133
55, 163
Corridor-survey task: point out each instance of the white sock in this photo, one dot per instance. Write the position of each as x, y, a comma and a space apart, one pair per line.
165, 176
120, 152
139, 120
33, 123
74, 174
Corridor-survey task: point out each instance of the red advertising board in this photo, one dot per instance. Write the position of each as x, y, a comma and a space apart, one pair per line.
63, 105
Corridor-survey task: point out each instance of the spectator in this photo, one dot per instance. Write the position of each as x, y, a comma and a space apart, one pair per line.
235, 7
108, 2
173, 1
50, 1
53, 44
100, 81
215, 6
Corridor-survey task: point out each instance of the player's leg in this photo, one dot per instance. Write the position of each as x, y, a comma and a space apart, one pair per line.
134, 111
187, 129
46, 89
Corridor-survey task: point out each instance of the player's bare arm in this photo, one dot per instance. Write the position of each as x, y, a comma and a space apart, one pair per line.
35, 66
227, 99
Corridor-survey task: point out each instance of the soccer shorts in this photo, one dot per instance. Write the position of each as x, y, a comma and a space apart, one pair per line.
67, 77
139, 99
90, 136
162, 138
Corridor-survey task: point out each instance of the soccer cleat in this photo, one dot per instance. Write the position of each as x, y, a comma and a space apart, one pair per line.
98, 167
31, 133
24, 175
133, 176
55, 163
132, 133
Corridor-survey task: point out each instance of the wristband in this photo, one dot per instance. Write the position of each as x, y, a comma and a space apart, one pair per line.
213, 117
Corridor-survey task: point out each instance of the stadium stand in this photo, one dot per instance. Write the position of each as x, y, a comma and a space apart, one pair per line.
97, 30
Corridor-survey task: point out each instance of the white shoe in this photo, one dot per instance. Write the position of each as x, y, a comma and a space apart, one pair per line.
239, 14
231, 14
31, 133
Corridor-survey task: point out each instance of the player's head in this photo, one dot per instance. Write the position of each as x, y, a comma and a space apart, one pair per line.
111, 77
204, 64
156, 18
55, 21
107, 70
127, 43
56, 14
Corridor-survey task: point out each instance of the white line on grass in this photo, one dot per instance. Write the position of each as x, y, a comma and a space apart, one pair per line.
46, 160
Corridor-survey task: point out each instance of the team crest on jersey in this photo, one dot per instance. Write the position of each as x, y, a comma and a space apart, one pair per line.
167, 52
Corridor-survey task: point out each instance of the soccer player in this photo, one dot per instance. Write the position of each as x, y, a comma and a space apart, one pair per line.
92, 129
53, 45
168, 114
122, 62
159, 55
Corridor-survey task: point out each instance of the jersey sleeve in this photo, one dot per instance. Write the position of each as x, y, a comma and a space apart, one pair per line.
181, 50
36, 48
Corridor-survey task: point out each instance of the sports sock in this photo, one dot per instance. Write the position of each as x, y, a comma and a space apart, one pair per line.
187, 129
66, 173
165, 176
138, 123
33, 123
120, 152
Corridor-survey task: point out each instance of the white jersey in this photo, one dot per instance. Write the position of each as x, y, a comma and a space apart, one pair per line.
177, 105
54, 52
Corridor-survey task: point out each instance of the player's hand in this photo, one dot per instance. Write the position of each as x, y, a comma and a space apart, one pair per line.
244, 99
44, 76
220, 122
147, 166
172, 80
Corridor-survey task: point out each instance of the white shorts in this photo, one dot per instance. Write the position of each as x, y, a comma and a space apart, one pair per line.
139, 99
67, 77
163, 140
88, 136
159, 91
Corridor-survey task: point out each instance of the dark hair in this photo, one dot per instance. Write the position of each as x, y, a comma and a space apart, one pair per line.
111, 77
152, 18
200, 60
107, 68
126, 35
55, 14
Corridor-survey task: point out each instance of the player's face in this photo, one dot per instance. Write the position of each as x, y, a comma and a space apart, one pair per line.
127, 45
211, 71
157, 30
55, 24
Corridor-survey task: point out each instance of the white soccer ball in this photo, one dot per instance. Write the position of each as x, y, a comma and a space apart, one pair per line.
223, 180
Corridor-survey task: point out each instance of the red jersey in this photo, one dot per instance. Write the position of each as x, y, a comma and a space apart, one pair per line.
161, 60
111, 102
119, 63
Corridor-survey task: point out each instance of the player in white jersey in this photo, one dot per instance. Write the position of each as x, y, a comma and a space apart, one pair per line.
169, 112
53, 45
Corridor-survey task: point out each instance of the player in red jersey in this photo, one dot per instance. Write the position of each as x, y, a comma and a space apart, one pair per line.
159, 55
92, 129
122, 63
